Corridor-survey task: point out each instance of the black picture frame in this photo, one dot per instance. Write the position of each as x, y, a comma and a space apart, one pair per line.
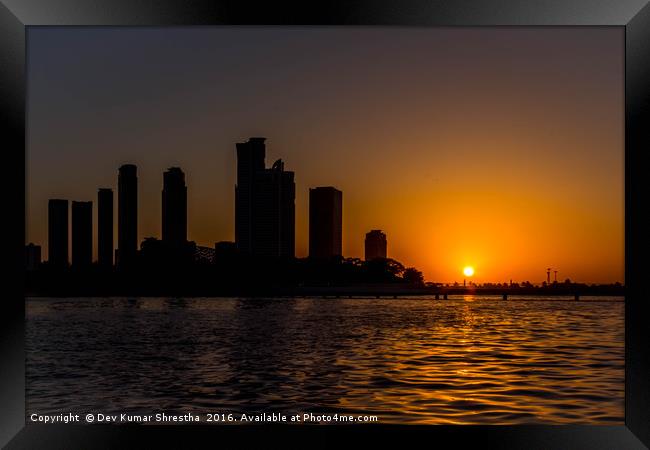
633, 15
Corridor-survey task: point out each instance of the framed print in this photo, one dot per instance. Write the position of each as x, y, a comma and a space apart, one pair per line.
423, 220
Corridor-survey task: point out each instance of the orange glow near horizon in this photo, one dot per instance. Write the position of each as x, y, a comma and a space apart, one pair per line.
501, 149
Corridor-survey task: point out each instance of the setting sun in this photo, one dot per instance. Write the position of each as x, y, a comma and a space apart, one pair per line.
468, 271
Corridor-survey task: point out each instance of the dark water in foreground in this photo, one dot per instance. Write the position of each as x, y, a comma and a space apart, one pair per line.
463, 361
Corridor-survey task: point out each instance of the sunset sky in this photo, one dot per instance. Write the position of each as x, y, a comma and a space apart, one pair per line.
499, 148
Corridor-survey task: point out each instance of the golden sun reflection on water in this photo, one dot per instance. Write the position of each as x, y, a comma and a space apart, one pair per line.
460, 361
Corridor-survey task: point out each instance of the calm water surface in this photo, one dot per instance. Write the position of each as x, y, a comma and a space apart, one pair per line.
409, 360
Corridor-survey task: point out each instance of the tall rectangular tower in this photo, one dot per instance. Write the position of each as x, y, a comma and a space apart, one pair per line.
105, 227
57, 233
127, 214
264, 204
250, 161
325, 222
82, 234
174, 208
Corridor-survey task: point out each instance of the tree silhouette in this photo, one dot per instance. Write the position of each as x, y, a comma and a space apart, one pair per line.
413, 276
382, 270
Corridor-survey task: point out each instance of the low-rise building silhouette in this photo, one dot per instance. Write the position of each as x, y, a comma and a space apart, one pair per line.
325, 222
32, 256
152, 252
157, 253
375, 245
225, 251
57, 233
82, 234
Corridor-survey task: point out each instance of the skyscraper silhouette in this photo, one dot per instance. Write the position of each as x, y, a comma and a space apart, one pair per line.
250, 160
105, 227
127, 215
375, 245
82, 234
325, 222
264, 204
57, 232
174, 208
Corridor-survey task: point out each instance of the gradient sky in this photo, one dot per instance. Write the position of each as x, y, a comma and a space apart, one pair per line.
500, 148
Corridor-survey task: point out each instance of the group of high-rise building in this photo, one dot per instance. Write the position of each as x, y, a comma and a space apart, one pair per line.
174, 222
264, 217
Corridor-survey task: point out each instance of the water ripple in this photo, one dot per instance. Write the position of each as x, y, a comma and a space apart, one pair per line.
460, 361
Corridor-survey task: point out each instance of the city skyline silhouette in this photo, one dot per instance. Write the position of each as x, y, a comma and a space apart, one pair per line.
400, 225
262, 252
264, 218
458, 162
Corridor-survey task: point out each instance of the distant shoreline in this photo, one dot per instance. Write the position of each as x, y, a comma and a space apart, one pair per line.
344, 291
